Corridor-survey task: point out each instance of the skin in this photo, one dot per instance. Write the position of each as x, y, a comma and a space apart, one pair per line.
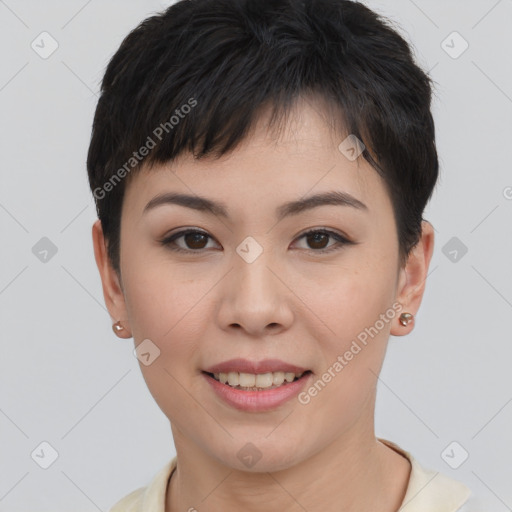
291, 303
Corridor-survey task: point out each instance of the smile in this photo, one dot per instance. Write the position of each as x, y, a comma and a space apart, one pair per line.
256, 392
256, 381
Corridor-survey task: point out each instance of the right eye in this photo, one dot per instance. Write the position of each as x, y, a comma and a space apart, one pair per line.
194, 240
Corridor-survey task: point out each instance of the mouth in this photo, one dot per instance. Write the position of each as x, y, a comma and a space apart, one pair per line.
261, 387
256, 386
256, 381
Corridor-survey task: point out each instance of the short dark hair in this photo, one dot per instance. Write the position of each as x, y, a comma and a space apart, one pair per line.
224, 60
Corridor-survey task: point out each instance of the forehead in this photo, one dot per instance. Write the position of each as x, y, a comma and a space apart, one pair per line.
269, 166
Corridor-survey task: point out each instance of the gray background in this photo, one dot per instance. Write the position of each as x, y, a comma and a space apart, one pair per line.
67, 380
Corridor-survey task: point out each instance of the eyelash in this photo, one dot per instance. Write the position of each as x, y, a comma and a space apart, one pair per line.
169, 241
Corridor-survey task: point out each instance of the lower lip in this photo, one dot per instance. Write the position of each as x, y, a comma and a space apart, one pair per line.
258, 401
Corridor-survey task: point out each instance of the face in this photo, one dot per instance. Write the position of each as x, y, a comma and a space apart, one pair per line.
252, 287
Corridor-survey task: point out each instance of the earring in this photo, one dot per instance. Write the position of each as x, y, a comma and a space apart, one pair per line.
117, 327
406, 318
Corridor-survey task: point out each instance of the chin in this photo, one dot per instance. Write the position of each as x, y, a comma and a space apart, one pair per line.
260, 455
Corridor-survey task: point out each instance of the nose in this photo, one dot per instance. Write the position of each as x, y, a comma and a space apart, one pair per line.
255, 298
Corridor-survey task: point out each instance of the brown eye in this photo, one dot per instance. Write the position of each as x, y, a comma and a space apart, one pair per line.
193, 241
317, 239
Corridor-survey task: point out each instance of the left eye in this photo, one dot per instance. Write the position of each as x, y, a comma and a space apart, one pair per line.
318, 238
196, 241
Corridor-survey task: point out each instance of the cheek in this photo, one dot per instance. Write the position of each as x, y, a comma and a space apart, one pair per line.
349, 297
168, 312
355, 308
161, 298
358, 326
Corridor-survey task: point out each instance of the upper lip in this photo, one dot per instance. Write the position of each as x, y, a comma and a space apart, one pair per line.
246, 366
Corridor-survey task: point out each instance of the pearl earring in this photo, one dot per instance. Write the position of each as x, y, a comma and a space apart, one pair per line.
117, 327
406, 318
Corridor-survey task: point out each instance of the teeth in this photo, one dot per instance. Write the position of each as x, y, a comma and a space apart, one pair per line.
246, 380
260, 380
277, 378
264, 380
233, 378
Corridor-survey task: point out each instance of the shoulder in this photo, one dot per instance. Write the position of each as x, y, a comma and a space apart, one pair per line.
150, 498
429, 490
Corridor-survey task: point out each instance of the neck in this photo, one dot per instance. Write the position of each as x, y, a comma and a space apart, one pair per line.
354, 473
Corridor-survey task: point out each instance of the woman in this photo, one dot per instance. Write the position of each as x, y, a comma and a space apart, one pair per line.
260, 170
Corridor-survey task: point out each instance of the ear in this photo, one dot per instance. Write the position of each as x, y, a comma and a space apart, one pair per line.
412, 278
112, 289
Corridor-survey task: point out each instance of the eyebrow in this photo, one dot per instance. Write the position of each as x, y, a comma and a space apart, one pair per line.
336, 198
